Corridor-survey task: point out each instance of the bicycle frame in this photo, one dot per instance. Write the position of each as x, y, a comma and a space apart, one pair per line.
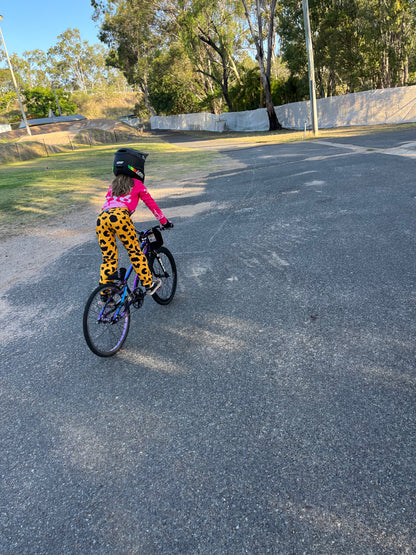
127, 292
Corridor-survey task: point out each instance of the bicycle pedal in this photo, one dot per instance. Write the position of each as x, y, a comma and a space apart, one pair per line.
138, 297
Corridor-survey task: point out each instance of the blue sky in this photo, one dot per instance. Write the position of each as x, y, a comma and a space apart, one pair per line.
32, 24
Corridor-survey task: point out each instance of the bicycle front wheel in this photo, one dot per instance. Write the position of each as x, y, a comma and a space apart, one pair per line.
106, 321
162, 265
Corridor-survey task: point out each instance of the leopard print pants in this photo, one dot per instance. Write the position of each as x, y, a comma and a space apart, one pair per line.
114, 222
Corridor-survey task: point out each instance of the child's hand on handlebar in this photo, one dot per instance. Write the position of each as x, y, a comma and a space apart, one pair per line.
166, 225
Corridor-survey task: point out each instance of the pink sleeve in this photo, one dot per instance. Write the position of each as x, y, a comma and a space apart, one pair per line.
149, 201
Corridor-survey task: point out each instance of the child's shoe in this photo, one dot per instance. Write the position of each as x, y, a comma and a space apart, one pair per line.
151, 290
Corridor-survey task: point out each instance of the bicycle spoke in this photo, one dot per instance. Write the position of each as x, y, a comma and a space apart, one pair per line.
163, 266
106, 321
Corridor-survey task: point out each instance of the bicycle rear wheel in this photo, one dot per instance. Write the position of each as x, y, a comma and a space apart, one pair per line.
106, 322
162, 265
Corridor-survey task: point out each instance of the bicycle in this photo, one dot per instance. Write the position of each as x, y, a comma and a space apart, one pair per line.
106, 320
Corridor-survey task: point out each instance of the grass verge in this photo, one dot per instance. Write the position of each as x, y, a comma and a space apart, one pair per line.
36, 190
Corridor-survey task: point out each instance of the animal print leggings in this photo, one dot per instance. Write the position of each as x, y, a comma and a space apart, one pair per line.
114, 222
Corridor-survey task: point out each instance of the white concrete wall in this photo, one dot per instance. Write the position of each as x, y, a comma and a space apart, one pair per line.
365, 108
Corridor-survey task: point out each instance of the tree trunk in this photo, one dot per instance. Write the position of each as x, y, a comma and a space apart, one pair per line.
274, 123
222, 54
145, 91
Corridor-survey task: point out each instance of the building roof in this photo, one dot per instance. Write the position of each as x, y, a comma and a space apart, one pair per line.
55, 119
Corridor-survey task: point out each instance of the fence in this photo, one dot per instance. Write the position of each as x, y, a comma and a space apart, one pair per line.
381, 106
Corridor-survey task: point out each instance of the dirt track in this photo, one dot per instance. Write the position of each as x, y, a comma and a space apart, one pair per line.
57, 133
59, 137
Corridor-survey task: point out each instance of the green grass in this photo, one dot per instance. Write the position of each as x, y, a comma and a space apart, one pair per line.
37, 190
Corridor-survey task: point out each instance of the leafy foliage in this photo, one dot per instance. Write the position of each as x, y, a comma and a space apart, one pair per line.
358, 44
172, 89
40, 100
213, 35
218, 55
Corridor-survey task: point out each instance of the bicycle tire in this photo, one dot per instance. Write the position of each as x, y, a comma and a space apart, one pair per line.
104, 335
163, 266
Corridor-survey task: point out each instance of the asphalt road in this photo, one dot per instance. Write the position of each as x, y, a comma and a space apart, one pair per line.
269, 409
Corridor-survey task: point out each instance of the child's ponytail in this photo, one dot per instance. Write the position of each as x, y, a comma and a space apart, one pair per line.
121, 185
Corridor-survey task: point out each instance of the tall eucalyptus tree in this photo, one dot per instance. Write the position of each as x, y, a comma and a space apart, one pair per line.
261, 17
213, 36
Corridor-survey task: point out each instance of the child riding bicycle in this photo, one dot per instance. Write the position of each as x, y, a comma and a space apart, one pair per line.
123, 195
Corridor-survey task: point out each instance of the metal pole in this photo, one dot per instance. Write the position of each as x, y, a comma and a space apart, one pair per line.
14, 82
311, 67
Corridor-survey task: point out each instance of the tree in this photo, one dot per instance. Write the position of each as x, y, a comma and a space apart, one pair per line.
6, 81
35, 72
172, 85
40, 100
388, 27
328, 37
261, 19
204, 36
213, 38
73, 62
6, 100
246, 94
358, 44
132, 34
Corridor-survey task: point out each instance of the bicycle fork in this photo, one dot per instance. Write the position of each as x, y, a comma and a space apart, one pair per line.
165, 273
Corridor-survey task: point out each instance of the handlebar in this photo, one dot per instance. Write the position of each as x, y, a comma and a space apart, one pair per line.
142, 234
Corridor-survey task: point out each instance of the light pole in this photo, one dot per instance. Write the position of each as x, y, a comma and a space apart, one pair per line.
14, 81
311, 66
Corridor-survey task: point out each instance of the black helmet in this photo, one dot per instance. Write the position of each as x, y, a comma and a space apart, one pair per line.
129, 162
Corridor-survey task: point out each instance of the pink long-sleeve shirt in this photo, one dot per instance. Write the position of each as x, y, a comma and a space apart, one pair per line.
131, 200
